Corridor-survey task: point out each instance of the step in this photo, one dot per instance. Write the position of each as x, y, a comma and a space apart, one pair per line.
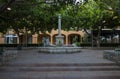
48, 69
60, 71
61, 64
62, 67
69, 77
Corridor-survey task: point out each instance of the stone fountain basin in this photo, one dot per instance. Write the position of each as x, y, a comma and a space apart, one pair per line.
59, 49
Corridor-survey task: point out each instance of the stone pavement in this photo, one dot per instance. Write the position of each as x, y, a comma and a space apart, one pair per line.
88, 64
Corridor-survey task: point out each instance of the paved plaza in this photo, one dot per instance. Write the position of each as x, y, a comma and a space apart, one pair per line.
87, 64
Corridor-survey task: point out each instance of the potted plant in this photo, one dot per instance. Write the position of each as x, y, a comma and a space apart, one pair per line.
78, 44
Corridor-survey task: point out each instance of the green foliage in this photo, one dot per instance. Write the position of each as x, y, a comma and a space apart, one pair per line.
17, 45
4, 1
37, 16
41, 44
78, 44
47, 17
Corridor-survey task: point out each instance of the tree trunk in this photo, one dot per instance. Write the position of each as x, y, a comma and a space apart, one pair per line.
98, 41
92, 38
98, 36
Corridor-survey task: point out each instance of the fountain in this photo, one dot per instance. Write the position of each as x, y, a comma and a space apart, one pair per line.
59, 47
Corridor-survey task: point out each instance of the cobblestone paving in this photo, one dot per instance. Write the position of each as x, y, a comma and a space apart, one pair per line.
88, 64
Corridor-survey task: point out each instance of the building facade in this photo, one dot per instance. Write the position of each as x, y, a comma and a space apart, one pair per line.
69, 37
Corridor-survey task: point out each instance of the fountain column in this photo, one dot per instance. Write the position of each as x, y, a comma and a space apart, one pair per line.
59, 24
59, 37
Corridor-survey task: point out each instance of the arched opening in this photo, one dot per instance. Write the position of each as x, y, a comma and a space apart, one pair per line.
54, 38
11, 39
42, 37
29, 39
23, 39
72, 38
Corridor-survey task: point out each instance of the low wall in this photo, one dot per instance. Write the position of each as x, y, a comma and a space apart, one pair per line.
112, 55
7, 56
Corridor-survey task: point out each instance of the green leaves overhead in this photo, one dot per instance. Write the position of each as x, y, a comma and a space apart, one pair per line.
37, 15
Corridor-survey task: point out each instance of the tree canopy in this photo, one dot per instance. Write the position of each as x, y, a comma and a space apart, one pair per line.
41, 15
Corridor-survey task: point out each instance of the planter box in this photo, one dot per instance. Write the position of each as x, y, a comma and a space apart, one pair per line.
113, 55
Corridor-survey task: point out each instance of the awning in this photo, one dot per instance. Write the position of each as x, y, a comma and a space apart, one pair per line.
11, 35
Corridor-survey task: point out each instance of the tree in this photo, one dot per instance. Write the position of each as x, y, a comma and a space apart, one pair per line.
41, 15
109, 18
94, 15
5, 4
16, 18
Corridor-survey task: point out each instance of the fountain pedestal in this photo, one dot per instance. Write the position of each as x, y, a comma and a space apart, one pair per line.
59, 40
